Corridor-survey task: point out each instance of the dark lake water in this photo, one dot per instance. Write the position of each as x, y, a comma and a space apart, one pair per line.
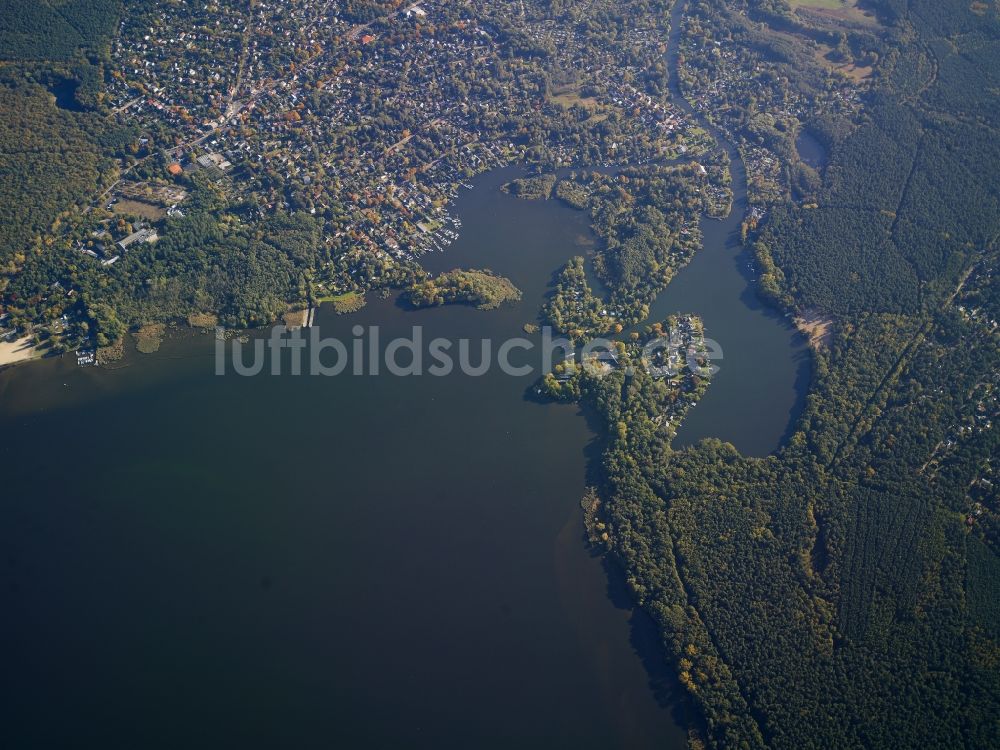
65, 93
305, 562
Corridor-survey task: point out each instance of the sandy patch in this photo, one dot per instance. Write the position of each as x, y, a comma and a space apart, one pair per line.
817, 328
17, 351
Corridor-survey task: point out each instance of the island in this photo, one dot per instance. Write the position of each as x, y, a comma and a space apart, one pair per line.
484, 290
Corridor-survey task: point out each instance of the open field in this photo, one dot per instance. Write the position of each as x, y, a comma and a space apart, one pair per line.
138, 208
817, 327
569, 96
568, 99
825, 4
856, 72
295, 318
824, 54
837, 10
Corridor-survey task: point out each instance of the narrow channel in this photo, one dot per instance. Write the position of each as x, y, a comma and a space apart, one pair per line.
760, 388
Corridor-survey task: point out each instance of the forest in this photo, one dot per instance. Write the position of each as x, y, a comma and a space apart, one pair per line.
54, 155
246, 275
54, 30
842, 592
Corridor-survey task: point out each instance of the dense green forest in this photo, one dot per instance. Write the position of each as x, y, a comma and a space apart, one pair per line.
911, 192
50, 162
54, 29
52, 157
842, 593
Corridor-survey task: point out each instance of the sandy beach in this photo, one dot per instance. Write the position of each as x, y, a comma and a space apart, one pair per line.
817, 328
17, 351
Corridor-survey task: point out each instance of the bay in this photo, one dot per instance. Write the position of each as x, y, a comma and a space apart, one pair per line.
308, 561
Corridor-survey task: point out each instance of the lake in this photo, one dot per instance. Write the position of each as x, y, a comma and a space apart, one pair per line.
759, 390
64, 91
299, 561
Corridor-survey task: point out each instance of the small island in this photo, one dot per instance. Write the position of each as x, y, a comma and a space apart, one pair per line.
481, 288
531, 188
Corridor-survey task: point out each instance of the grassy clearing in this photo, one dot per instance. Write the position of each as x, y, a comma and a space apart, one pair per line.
825, 4
138, 208
841, 10
571, 98
295, 318
856, 72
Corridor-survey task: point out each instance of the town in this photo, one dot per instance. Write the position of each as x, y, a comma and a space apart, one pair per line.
374, 124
